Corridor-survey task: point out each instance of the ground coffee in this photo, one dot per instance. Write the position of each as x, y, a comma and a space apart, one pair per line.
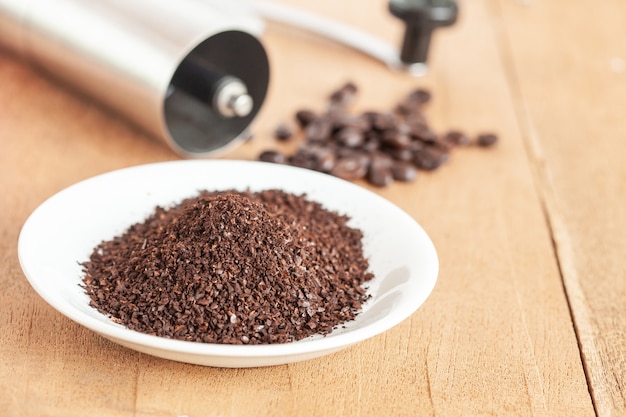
232, 267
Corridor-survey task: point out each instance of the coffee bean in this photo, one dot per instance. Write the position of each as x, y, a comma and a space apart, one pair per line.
401, 154
272, 156
380, 121
318, 158
403, 171
420, 96
456, 138
371, 144
362, 156
283, 132
486, 139
379, 176
341, 120
344, 95
429, 158
350, 87
416, 121
325, 161
379, 171
424, 134
350, 137
297, 160
380, 160
351, 167
361, 123
417, 146
305, 117
303, 159
396, 139
406, 108
318, 130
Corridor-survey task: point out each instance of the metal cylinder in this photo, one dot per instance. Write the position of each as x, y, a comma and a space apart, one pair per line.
191, 72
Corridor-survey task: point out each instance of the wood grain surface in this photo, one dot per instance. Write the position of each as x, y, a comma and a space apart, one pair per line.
527, 318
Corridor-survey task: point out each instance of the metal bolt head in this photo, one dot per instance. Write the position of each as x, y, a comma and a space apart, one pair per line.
241, 105
231, 98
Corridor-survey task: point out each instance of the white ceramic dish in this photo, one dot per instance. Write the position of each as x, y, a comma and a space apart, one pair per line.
63, 231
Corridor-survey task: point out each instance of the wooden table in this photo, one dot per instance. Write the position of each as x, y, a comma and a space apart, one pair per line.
527, 317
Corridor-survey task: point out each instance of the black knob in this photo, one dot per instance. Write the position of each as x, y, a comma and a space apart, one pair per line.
421, 18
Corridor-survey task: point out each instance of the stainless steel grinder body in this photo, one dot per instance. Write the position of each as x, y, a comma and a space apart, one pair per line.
192, 72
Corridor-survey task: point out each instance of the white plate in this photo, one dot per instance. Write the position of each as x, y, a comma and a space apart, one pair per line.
64, 230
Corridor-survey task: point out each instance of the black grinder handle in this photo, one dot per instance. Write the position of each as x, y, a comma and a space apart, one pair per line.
421, 18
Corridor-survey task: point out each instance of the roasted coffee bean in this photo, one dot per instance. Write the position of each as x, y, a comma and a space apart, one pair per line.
272, 156
441, 145
325, 161
420, 96
283, 132
344, 95
344, 152
403, 128
413, 103
380, 121
416, 121
406, 108
405, 154
417, 146
302, 159
319, 130
486, 139
379, 171
361, 122
350, 137
403, 171
371, 144
456, 138
396, 139
365, 121
351, 167
350, 87
424, 134
429, 158
315, 157
343, 120
398, 128
379, 176
305, 117
380, 160
372, 134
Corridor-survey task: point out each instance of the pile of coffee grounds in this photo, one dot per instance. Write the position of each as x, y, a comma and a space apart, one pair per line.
232, 267
377, 146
